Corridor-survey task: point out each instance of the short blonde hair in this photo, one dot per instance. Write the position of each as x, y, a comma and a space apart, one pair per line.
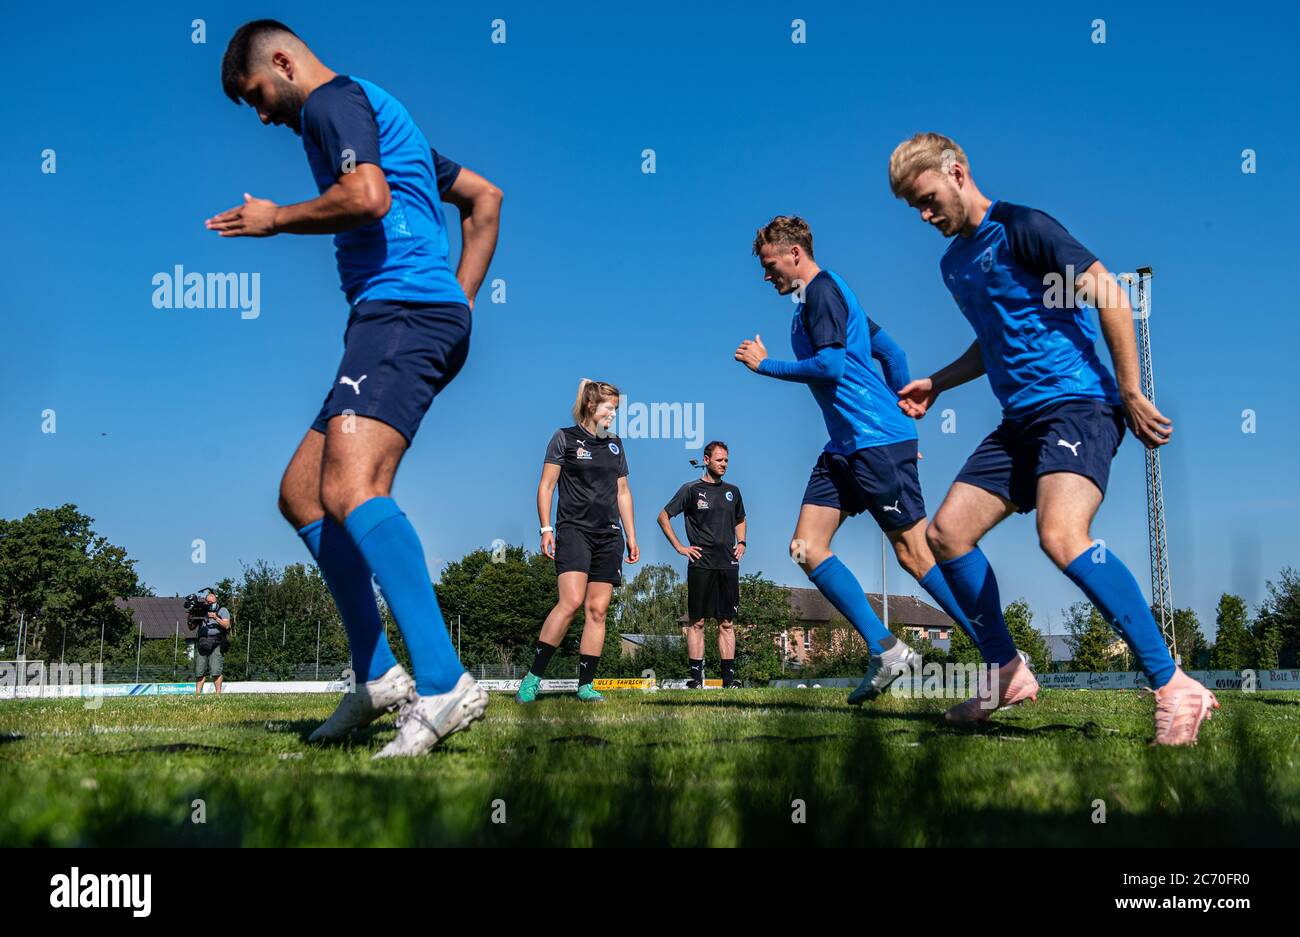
923, 151
590, 394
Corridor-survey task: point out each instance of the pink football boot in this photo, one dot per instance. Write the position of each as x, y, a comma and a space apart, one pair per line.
1014, 683
1182, 705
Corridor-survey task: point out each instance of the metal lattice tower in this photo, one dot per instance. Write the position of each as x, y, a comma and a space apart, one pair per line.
1162, 595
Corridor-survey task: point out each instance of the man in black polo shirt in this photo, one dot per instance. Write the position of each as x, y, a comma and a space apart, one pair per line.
715, 527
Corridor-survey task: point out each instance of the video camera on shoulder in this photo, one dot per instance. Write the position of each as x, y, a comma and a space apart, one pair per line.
197, 607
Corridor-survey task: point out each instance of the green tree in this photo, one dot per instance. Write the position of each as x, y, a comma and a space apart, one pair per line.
1231, 649
839, 651
277, 616
961, 649
1277, 624
765, 614
1193, 649
502, 597
651, 602
1020, 618
1091, 639
58, 578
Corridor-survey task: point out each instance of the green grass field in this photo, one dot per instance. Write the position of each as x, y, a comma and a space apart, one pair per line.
667, 768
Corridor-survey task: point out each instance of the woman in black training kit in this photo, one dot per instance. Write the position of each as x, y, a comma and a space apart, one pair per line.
589, 465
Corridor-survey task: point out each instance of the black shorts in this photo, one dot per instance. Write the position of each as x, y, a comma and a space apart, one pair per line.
713, 593
1078, 436
599, 554
880, 479
397, 356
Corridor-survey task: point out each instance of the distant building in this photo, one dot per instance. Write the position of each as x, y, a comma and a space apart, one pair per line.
813, 611
155, 617
629, 644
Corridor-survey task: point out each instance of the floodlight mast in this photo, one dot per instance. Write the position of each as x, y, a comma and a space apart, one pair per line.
1162, 598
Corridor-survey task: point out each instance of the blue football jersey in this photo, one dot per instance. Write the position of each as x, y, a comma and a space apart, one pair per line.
1000, 277
403, 256
860, 410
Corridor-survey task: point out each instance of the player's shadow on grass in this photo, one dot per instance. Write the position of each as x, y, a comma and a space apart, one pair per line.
592, 741
372, 736
176, 748
733, 703
1266, 701
993, 728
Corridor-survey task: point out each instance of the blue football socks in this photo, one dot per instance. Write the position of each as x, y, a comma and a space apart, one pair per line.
394, 554
841, 587
348, 577
1110, 587
975, 590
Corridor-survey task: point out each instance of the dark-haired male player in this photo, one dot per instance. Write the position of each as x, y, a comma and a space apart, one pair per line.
407, 336
715, 528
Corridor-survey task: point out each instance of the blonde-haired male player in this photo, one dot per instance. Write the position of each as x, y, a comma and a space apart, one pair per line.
1010, 269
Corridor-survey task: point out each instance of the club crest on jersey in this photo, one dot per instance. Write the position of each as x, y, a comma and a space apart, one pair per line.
582, 453
729, 496
613, 447
986, 260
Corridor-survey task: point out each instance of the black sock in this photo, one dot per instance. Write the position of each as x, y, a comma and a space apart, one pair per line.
728, 671
697, 671
587, 668
541, 658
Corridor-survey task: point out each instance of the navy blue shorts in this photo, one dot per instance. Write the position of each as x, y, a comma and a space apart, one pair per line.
397, 356
881, 480
1077, 436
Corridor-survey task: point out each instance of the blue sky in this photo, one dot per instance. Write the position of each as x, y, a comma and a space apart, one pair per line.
643, 280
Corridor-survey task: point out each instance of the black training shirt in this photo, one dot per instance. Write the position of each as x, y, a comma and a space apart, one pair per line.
712, 509
590, 467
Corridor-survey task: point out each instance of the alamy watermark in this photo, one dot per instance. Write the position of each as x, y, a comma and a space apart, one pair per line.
660, 420
33, 679
949, 681
181, 290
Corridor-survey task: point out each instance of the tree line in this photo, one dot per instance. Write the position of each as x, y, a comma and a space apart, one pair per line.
59, 579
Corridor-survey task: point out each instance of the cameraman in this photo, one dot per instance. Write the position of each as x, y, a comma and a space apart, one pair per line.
212, 640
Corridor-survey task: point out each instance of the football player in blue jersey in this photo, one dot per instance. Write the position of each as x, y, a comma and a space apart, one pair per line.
869, 464
407, 337
1023, 283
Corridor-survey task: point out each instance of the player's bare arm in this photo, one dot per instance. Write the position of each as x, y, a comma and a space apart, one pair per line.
1148, 424
479, 202
357, 198
666, 525
739, 549
915, 399
545, 489
625, 515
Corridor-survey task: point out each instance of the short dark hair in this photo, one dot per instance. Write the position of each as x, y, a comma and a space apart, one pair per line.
234, 64
716, 444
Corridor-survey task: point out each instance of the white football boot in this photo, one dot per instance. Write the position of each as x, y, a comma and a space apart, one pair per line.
367, 703
884, 669
426, 720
